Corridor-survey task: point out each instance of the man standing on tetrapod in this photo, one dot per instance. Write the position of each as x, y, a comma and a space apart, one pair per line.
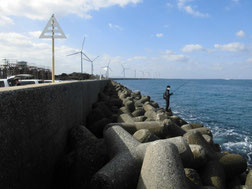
166, 96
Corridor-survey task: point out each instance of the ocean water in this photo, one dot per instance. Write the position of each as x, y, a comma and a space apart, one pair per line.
224, 106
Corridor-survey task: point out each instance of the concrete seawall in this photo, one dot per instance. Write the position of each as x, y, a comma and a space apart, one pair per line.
34, 122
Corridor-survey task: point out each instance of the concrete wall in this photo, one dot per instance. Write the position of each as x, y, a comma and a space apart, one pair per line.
34, 122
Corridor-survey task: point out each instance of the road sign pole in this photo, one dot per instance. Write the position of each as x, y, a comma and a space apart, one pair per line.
53, 66
52, 30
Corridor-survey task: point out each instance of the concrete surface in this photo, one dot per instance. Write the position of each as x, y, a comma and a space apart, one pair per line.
34, 122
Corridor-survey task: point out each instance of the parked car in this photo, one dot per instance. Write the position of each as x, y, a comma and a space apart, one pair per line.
5, 83
50, 81
30, 81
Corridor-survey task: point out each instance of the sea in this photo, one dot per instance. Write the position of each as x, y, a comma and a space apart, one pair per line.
224, 106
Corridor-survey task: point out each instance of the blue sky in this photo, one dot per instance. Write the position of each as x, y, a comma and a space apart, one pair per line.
167, 38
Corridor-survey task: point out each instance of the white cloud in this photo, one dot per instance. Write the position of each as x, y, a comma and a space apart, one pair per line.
4, 20
137, 58
240, 33
42, 10
25, 47
115, 27
249, 60
183, 5
192, 47
232, 47
35, 34
169, 4
232, 4
173, 57
236, 1
159, 35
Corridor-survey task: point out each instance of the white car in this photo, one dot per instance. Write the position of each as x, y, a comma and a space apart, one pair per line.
4, 83
30, 81
9, 82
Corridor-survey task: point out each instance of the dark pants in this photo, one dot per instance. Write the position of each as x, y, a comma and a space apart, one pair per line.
167, 105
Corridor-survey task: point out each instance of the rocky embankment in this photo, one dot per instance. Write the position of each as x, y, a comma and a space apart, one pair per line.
129, 142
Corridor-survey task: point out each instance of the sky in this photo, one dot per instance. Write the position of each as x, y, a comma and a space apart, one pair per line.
186, 39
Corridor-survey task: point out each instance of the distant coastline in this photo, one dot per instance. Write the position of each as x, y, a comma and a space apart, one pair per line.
170, 79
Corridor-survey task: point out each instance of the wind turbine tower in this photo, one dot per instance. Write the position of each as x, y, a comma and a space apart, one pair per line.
107, 68
124, 69
92, 64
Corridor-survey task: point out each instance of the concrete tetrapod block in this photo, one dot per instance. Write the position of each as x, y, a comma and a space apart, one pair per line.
126, 155
130, 105
233, 164
199, 155
124, 168
87, 157
163, 129
138, 112
193, 178
144, 135
195, 137
178, 120
161, 116
151, 114
214, 175
234, 182
140, 118
203, 131
162, 168
184, 151
147, 106
249, 179
125, 118
187, 127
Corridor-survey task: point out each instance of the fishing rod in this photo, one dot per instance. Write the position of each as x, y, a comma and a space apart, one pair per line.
180, 86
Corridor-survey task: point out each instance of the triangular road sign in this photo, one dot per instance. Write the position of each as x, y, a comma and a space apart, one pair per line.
52, 29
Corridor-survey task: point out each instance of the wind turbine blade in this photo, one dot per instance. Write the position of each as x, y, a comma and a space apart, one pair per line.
83, 42
87, 57
108, 62
73, 54
95, 58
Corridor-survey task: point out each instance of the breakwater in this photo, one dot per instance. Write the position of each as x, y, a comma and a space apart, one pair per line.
127, 141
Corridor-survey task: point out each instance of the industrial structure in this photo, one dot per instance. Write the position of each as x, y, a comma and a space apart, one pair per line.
10, 67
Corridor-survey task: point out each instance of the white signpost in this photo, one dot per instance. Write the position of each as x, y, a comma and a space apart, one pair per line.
52, 30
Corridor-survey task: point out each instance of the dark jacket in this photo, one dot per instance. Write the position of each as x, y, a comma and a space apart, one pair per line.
167, 95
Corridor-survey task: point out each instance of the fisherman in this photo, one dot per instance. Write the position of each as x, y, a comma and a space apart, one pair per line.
166, 96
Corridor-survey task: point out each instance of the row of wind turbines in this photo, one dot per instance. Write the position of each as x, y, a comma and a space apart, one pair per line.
107, 68
85, 57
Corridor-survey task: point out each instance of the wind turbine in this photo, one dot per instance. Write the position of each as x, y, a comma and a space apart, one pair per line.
107, 68
82, 54
124, 69
92, 64
135, 73
142, 73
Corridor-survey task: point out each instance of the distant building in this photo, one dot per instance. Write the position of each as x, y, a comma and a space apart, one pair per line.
11, 67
